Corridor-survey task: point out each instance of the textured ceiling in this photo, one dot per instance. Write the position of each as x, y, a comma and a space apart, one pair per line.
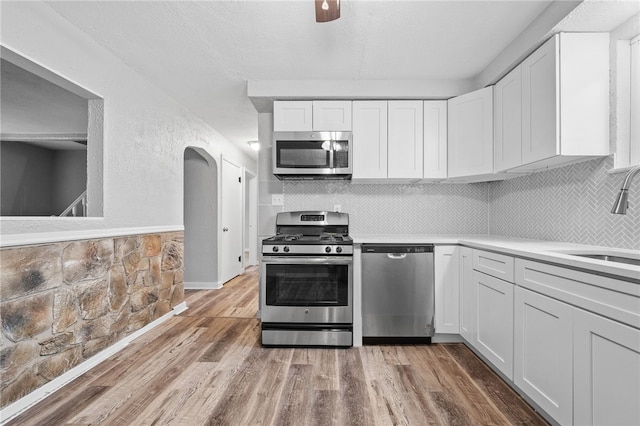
203, 53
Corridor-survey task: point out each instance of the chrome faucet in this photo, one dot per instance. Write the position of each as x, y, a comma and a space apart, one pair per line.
622, 201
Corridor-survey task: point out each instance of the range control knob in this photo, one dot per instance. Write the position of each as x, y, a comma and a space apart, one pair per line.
275, 249
327, 249
286, 249
338, 249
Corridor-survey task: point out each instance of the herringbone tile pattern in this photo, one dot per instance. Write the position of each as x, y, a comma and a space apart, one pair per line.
396, 208
570, 204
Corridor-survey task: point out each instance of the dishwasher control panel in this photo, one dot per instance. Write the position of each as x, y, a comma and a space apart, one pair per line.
397, 248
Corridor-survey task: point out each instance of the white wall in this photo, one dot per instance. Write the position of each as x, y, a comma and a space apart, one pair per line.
145, 131
69, 178
26, 179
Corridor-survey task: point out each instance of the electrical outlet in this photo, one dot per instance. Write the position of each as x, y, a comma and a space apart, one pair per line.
277, 199
337, 207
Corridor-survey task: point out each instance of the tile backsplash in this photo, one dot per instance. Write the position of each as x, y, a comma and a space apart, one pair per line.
570, 204
396, 208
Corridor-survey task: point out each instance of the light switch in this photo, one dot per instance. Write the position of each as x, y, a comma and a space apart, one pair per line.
277, 199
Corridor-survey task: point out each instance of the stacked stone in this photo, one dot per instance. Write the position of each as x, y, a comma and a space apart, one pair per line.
62, 303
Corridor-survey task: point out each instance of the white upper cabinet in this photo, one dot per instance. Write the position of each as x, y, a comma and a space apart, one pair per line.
507, 152
332, 116
292, 116
565, 101
539, 106
399, 140
369, 140
471, 134
435, 140
405, 150
304, 116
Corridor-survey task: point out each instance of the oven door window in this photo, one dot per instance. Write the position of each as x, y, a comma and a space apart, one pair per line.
303, 154
307, 285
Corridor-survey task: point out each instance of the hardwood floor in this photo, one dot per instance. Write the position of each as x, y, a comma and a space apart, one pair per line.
207, 367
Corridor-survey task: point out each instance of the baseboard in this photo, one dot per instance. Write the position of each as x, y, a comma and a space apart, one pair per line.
202, 285
447, 338
16, 408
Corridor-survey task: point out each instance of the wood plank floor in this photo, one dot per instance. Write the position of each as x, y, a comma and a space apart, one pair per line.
207, 367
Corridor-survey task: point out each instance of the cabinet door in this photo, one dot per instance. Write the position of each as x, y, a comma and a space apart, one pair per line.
467, 295
494, 311
447, 289
369, 140
405, 150
292, 116
606, 371
540, 103
435, 139
543, 352
507, 152
332, 116
471, 133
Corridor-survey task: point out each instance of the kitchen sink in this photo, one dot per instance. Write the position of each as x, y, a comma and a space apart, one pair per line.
626, 257
609, 258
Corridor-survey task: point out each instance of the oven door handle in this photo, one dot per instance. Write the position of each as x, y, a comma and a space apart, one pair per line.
315, 260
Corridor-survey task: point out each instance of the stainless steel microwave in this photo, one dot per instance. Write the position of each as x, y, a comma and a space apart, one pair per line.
312, 155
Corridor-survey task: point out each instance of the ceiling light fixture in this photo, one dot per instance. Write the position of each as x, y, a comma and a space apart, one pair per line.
327, 10
255, 145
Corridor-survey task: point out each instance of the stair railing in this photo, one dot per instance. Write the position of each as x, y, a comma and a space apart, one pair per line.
78, 208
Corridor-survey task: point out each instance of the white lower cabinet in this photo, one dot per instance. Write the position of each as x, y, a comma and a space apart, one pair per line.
606, 371
543, 352
567, 339
467, 295
447, 314
494, 338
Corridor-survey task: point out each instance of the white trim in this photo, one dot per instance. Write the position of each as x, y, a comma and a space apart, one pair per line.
447, 338
11, 240
619, 170
202, 285
26, 402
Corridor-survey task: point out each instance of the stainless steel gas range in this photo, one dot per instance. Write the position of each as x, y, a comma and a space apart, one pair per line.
306, 281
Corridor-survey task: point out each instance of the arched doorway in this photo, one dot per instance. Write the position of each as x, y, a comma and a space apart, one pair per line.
200, 220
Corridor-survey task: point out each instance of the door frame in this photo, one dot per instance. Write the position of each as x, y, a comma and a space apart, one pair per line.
250, 221
221, 279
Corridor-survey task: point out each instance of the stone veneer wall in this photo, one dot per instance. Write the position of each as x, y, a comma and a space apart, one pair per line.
64, 302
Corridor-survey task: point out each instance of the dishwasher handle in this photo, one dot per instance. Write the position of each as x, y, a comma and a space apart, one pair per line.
396, 256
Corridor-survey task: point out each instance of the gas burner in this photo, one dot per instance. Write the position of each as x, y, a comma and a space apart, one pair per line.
330, 236
287, 237
310, 233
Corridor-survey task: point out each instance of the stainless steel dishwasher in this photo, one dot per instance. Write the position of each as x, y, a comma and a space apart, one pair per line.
397, 291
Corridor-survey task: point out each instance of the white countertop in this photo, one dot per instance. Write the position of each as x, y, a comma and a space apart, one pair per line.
544, 251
